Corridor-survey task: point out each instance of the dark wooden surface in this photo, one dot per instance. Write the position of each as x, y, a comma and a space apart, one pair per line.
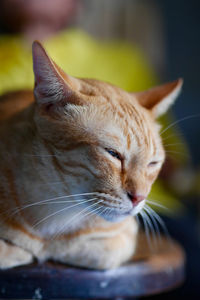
156, 273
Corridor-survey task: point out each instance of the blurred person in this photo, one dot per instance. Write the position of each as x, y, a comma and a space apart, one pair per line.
36, 19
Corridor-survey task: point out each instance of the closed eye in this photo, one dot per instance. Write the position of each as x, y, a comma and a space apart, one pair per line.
114, 153
153, 163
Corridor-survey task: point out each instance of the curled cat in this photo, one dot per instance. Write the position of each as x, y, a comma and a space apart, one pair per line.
78, 159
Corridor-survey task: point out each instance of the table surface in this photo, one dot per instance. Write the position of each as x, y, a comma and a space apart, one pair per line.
157, 272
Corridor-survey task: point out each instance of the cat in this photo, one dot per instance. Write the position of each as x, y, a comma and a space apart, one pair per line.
78, 159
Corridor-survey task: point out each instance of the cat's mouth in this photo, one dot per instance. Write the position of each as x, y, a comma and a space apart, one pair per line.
116, 209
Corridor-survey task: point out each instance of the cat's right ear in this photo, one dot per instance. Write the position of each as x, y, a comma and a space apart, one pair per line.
53, 87
160, 98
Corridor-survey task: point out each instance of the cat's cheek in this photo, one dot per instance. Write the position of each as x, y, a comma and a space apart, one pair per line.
150, 179
152, 173
108, 168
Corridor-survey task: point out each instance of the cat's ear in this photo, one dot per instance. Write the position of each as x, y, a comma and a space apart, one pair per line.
160, 98
52, 85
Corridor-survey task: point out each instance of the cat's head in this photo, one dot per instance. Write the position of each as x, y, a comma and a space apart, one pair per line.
106, 140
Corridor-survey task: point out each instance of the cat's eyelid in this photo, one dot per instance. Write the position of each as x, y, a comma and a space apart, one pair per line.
154, 162
116, 154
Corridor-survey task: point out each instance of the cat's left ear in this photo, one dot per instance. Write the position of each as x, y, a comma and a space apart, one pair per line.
53, 87
160, 98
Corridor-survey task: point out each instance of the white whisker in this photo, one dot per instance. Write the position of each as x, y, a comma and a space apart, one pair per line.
41, 155
148, 220
161, 222
154, 221
146, 228
178, 121
78, 214
19, 208
137, 219
177, 152
52, 183
59, 211
156, 204
175, 144
110, 204
172, 135
108, 196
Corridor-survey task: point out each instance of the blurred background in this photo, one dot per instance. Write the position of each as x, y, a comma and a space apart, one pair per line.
134, 44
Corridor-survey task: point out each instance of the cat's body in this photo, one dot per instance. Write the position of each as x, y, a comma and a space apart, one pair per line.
83, 138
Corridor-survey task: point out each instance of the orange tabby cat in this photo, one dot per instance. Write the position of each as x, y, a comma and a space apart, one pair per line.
76, 165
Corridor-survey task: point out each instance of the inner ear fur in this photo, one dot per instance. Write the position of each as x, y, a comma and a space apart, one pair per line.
160, 98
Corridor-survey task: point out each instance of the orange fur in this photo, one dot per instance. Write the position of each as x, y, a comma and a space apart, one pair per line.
78, 136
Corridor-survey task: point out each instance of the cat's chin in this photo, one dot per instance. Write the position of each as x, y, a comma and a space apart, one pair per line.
114, 218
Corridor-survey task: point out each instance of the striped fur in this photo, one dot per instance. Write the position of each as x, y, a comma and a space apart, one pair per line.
57, 146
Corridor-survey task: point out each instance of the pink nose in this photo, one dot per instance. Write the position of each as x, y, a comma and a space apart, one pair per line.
135, 198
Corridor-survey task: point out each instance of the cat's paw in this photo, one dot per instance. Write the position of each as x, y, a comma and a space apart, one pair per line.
13, 256
112, 255
104, 263
102, 254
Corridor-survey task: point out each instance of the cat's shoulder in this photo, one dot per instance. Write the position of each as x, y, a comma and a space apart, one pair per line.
14, 102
